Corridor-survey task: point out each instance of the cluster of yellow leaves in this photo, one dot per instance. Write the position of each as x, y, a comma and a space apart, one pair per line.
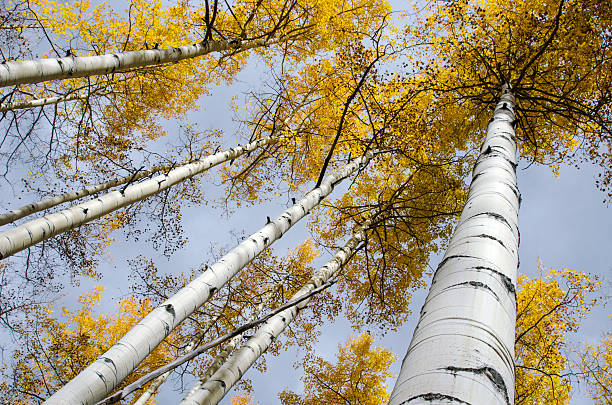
596, 364
357, 377
243, 399
563, 64
58, 348
133, 102
549, 308
376, 284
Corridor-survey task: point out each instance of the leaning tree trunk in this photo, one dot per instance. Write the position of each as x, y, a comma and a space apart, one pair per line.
218, 361
462, 350
23, 236
104, 374
213, 390
41, 70
45, 204
39, 102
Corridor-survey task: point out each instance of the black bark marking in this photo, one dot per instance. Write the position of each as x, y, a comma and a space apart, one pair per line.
111, 362
101, 377
495, 216
504, 279
222, 383
483, 235
212, 290
85, 211
493, 375
488, 150
170, 309
493, 153
476, 284
435, 396
266, 239
443, 262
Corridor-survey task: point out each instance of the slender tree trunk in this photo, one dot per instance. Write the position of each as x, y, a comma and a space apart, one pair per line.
41, 70
19, 105
232, 371
103, 375
75, 195
219, 360
462, 350
37, 230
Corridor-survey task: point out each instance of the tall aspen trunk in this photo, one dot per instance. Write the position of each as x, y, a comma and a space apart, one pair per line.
462, 350
41, 70
232, 371
75, 195
37, 230
217, 362
104, 374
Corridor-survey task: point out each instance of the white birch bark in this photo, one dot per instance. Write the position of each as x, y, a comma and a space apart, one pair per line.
219, 360
104, 374
462, 350
75, 195
40, 70
37, 230
232, 371
39, 102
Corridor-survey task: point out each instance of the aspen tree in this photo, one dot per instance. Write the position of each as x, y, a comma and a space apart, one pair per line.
30, 233
35, 71
230, 373
462, 349
75, 195
218, 361
39, 102
102, 376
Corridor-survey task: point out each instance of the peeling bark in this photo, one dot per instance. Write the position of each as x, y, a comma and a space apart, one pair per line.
462, 350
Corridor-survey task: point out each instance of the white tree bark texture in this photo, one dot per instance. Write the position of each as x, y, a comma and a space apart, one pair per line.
104, 374
39, 102
75, 195
462, 350
218, 361
28, 234
35, 71
232, 371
